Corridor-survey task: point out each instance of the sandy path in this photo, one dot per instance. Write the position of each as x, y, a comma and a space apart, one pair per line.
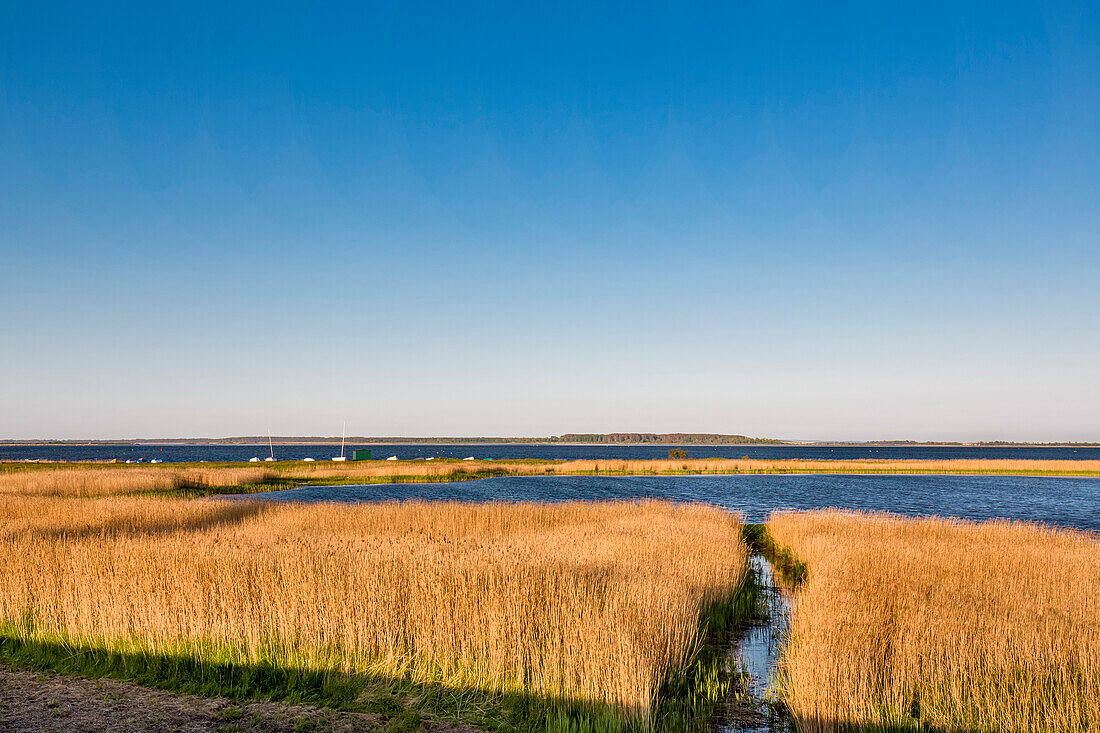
33, 701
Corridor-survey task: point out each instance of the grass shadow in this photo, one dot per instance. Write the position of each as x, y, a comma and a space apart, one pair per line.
792, 571
404, 703
222, 515
696, 699
690, 700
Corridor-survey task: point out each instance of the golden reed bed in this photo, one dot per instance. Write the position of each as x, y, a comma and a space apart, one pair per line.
108, 480
587, 602
991, 626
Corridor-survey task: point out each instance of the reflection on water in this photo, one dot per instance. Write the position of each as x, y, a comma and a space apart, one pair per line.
754, 704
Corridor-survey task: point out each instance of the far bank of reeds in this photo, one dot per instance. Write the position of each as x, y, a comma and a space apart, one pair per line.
446, 469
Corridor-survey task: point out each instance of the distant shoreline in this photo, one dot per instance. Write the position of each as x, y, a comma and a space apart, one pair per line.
520, 441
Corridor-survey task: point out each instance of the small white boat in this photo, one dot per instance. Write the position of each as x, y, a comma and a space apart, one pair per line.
308, 459
430, 459
254, 459
343, 430
471, 458
392, 458
156, 460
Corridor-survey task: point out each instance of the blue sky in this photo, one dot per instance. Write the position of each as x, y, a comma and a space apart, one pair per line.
801, 220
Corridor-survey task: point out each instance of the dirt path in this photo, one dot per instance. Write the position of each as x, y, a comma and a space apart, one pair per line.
32, 701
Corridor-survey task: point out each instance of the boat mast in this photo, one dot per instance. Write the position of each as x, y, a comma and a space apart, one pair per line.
342, 431
270, 445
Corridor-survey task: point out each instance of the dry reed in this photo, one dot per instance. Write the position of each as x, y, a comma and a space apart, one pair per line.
588, 602
953, 625
61, 480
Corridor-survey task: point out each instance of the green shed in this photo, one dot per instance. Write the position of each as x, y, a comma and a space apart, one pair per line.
360, 454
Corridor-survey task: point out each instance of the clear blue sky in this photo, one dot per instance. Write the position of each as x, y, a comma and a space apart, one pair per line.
804, 220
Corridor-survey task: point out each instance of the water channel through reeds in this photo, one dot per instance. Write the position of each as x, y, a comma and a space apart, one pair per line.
754, 705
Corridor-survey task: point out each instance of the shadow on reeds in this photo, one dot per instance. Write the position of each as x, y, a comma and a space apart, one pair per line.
695, 699
199, 490
688, 702
404, 703
368, 480
792, 571
221, 515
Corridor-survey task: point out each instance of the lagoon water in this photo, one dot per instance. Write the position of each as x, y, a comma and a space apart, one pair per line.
1068, 502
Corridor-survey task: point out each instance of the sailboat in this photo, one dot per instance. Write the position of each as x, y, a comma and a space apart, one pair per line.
271, 447
341, 457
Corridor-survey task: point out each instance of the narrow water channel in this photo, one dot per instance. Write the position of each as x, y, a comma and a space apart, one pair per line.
754, 704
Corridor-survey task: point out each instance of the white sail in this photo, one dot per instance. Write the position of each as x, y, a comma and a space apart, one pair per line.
343, 430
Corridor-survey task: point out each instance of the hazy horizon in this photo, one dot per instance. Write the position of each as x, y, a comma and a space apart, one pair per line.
849, 222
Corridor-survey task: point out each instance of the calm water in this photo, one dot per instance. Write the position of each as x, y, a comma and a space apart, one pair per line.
756, 654
177, 453
1070, 502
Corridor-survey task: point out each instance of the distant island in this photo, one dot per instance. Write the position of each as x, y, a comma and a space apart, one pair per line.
664, 439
